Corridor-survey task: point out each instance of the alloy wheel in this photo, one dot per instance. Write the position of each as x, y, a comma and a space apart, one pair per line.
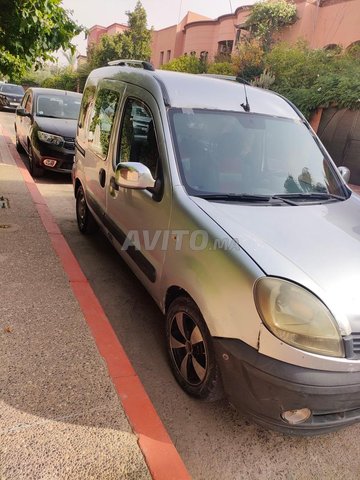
188, 349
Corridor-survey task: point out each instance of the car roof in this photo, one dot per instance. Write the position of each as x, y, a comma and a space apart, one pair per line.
189, 91
52, 91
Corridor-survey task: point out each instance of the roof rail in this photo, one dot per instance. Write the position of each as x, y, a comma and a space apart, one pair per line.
133, 63
232, 78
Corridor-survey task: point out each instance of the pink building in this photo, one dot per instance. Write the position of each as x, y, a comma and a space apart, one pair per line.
322, 23
97, 31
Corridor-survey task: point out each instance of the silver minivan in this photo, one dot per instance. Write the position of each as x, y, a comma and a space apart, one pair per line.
229, 210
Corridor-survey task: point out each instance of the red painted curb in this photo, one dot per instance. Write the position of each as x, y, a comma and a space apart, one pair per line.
161, 456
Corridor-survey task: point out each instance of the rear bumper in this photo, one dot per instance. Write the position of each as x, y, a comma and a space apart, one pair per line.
264, 388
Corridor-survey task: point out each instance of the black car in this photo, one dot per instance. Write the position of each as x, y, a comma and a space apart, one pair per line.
45, 127
10, 96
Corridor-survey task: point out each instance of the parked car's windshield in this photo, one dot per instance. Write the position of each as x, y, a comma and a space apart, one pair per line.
221, 152
58, 106
16, 89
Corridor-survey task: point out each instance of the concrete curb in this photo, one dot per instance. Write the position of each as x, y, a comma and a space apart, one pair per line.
161, 456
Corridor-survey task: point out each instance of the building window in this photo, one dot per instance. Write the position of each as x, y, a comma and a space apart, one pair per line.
161, 58
225, 47
168, 56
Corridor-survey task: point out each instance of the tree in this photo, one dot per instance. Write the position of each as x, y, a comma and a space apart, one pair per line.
110, 47
137, 39
134, 43
267, 18
30, 31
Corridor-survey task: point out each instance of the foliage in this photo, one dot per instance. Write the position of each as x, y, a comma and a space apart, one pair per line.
265, 80
313, 78
135, 43
268, 17
66, 79
110, 47
137, 39
185, 63
30, 31
248, 59
222, 68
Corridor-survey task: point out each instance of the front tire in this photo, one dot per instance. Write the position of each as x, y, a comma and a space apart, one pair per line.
18, 145
35, 170
191, 352
85, 220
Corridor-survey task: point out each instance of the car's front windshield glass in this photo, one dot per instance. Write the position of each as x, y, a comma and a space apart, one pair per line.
58, 106
222, 152
14, 89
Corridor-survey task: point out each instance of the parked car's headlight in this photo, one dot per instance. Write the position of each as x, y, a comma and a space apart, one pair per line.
297, 317
50, 138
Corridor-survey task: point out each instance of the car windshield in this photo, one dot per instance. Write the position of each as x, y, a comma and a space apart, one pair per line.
58, 106
235, 153
16, 89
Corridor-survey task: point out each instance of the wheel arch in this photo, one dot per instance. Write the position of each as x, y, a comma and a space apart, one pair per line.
174, 292
77, 184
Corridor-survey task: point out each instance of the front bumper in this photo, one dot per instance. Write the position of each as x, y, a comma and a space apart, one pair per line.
264, 388
64, 158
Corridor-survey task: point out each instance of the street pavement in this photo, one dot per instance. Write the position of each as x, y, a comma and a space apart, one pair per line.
60, 415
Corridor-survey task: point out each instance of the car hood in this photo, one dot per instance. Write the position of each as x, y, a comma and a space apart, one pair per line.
317, 246
57, 126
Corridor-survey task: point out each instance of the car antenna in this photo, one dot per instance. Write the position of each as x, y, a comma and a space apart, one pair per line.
246, 105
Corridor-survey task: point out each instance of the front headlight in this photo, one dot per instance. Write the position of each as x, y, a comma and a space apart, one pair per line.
297, 317
50, 138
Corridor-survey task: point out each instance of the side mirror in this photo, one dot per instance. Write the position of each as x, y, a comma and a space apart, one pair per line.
134, 175
345, 173
22, 112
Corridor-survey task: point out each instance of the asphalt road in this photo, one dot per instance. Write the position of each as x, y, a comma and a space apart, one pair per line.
214, 441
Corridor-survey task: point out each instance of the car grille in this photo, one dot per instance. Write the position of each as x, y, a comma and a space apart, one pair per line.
352, 346
69, 143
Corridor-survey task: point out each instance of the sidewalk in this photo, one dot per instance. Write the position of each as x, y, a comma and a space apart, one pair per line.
60, 411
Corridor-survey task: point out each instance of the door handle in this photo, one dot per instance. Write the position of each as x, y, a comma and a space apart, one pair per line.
113, 184
102, 177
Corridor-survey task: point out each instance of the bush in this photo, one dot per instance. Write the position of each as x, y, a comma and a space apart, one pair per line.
313, 78
221, 68
65, 80
248, 59
185, 63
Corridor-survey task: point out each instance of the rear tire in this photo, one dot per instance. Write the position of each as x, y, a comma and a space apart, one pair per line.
85, 219
191, 351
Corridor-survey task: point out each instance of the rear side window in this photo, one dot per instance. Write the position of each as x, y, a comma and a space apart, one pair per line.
85, 113
101, 121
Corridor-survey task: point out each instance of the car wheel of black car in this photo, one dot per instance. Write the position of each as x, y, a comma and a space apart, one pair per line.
85, 220
18, 145
191, 351
35, 170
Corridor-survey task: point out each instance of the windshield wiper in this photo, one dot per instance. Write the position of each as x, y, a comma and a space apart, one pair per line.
235, 197
309, 195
